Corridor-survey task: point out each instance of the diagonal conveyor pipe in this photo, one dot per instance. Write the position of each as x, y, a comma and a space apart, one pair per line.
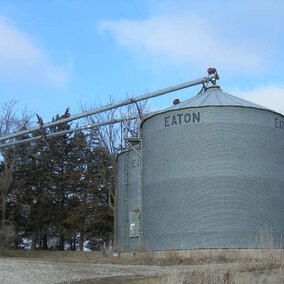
112, 106
59, 133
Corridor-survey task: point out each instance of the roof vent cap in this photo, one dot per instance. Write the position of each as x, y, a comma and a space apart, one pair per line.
176, 102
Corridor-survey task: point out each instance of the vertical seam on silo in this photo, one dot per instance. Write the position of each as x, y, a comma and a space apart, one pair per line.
218, 99
205, 99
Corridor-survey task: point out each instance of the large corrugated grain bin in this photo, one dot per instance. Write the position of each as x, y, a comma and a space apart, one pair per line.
213, 175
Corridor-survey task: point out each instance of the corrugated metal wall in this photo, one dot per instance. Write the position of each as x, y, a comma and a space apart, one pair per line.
213, 177
128, 203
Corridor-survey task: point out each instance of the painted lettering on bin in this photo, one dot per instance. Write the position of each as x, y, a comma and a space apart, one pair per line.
182, 118
135, 163
279, 123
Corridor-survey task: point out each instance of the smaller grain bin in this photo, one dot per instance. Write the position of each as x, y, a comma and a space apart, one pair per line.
129, 199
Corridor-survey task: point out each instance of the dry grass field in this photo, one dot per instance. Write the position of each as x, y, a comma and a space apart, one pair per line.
191, 266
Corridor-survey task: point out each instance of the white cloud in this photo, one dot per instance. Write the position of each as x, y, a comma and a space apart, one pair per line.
271, 96
185, 38
22, 60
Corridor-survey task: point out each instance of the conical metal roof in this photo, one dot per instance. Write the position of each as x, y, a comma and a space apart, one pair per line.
214, 96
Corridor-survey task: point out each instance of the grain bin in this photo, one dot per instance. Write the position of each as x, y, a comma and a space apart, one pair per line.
128, 199
213, 174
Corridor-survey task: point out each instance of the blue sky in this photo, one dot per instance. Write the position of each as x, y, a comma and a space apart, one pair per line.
67, 53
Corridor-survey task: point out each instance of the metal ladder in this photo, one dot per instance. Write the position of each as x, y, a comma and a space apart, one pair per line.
126, 197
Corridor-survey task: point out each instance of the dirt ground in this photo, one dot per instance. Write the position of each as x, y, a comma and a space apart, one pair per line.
37, 272
196, 266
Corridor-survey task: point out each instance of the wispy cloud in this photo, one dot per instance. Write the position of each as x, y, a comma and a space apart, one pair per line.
22, 60
270, 96
233, 36
184, 38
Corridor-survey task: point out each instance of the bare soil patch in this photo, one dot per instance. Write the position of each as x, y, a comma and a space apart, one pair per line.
199, 266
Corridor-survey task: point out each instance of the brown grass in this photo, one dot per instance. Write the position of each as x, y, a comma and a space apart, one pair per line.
161, 258
242, 266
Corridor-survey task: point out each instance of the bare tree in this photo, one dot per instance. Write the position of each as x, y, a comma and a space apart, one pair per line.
10, 122
111, 137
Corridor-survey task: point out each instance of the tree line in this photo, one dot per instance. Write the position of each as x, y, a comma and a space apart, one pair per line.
59, 193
